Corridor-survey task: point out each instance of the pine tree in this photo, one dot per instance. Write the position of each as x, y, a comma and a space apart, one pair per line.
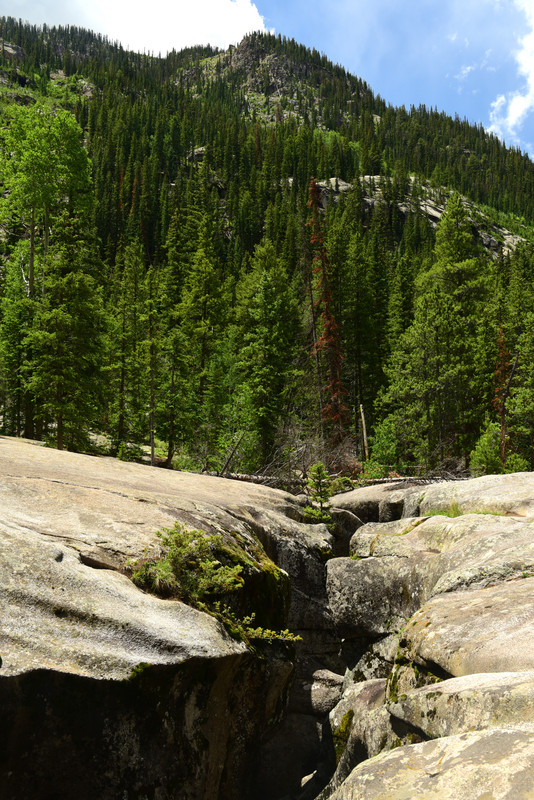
128, 366
67, 339
328, 343
265, 335
435, 395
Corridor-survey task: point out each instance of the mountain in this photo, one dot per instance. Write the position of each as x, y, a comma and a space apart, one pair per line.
261, 264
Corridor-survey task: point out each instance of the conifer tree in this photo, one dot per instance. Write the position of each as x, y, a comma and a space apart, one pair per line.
264, 336
67, 339
435, 394
328, 344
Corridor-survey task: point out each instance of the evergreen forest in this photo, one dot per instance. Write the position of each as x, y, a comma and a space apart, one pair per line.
246, 261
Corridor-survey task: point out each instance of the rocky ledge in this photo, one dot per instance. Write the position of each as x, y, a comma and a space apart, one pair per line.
440, 586
107, 691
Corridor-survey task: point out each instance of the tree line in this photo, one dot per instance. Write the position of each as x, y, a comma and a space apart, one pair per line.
179, 273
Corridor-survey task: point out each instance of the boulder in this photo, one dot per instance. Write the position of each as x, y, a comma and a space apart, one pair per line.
317, 694
381, 502
372, 597
397, 566
442, 605
480, 630
137, 694
511, 495
470, 703
362, 728
488, 765
345, 523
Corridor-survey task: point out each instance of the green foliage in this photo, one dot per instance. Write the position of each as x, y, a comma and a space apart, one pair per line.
320, 490
373, 470
244, 628
385, 445
340, 485
197, 195
189, 567
341, 734
435, 398
139, 670
453, 510
485, 459
516, 463
204, 570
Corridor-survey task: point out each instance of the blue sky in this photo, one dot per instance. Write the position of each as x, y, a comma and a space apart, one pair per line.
470, 57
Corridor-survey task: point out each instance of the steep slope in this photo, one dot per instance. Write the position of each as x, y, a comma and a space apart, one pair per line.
193, 239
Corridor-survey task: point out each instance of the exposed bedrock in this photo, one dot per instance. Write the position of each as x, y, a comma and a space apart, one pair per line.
106, 691
441, 583
413, 676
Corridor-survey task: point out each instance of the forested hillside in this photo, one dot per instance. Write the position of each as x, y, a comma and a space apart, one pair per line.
235, 258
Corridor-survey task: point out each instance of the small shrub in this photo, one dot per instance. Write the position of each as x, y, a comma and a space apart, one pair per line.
243, 628
485, 459
200, 569
320, 489
372, 470
341, 484
189, 567
516, 463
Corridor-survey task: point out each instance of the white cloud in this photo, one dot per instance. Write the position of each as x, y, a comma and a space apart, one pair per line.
464, 72
162, 26
158, 26
509, 112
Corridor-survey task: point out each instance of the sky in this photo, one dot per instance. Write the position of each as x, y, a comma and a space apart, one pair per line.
474, 58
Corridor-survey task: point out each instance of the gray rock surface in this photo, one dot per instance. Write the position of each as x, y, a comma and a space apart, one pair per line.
399, 565
487, 765
472, 702
455, 592
481, 630
511, 495
372, 597
497, 494
154, 697
136, 693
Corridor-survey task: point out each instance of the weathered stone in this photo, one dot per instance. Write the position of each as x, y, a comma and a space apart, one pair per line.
364, 542
345, 523
481, 630
487, 765
317, 692
381, 502
376, 662
472, 702
362, 728
191, 720
59, 614
399, 565
512, 495
372, 597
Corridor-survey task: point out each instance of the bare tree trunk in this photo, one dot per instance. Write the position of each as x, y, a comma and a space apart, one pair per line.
364, 431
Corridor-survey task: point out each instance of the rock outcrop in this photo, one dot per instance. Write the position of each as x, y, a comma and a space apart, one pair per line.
414, 676
447, 572
140, 696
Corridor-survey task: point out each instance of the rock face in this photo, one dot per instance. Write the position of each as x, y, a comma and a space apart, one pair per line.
487, 765
414, 676
140, 696
447, 571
